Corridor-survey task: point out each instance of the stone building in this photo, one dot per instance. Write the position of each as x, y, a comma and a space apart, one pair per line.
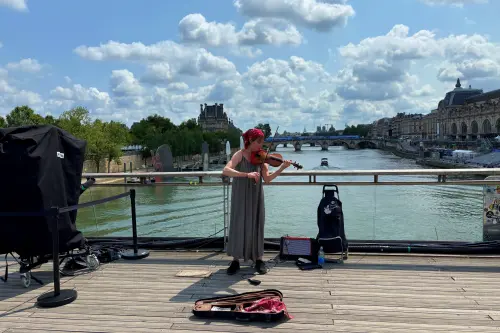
406, 125
463, 114
212, 118
381, 128
467, 114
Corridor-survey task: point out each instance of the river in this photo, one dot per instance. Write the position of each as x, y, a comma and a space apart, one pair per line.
450, 213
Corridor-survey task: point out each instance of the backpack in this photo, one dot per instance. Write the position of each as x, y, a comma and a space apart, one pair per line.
331, 233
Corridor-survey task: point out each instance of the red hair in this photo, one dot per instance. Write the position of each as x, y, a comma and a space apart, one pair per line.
252, 135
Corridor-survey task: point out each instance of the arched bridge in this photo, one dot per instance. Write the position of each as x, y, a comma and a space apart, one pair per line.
349, 141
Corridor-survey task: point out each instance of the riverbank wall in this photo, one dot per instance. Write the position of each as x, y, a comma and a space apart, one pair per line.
135, 161
399, 149
443, 164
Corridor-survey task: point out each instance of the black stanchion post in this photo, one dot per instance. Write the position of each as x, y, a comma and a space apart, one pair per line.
135, 253
58, 297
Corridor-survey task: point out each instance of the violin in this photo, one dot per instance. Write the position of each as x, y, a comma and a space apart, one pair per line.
261, 156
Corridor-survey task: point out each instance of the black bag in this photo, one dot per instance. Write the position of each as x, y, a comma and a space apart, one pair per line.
331, 234
40, 167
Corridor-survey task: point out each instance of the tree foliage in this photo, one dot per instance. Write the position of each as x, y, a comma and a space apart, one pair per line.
361, 130
265, 128
184, 139
105, 139
23, 115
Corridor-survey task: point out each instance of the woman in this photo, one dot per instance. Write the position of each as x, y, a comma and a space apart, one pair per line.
246, 229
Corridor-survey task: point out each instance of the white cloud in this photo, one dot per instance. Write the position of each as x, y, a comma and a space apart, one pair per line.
165, 60
315, 14
375, 77
194, 28
454, 3
382, 75
25, 65
177, 86
19, 5
379, 68
123, 83
11, 96
79, 93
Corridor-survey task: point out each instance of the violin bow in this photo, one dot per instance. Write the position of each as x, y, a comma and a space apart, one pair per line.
272, 140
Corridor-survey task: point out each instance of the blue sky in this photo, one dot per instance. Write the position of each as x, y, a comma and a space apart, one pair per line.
292, 63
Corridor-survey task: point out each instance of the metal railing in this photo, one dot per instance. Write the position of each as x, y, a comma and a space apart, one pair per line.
442, 177
216, 178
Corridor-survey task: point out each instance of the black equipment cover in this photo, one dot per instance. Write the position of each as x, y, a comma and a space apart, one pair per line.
331, 234
40, 167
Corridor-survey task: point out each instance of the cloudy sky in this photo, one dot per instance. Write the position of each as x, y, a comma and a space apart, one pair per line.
292, 63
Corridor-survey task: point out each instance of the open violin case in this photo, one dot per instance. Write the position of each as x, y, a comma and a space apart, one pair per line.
266, 306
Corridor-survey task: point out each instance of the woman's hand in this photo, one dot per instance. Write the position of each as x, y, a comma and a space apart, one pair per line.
286, 164
254, 175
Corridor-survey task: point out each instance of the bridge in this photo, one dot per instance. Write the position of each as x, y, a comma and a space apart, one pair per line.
349, 141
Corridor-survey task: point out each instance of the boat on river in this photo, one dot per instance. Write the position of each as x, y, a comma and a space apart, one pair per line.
324, 161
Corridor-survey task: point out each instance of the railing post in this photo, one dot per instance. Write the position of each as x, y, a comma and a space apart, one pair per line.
136, 253
58, 297
125, 171
225, 185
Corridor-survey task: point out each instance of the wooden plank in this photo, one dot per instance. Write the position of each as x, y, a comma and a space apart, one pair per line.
15, 330
404, 309
146, 326
429, 327
371, 293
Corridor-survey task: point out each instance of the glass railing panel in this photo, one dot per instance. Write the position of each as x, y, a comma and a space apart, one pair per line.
385, 212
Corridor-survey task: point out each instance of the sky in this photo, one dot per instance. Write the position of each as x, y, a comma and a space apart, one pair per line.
291, 63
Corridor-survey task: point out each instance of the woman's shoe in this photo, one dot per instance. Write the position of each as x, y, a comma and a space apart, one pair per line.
233, 268
261, 267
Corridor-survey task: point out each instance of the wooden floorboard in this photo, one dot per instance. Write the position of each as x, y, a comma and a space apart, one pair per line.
367, 293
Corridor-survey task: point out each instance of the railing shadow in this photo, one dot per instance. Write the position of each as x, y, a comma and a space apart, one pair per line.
16, 311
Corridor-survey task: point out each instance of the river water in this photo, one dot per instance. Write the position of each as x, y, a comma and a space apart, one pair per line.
409, 212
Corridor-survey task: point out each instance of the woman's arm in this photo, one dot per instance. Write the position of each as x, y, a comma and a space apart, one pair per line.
229, 170
270, 177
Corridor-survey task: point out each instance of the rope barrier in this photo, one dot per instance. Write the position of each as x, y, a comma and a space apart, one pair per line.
94, 203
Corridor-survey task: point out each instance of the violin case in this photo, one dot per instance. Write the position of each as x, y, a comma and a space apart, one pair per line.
233, 307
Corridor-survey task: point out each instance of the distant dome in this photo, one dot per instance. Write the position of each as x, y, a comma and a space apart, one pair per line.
458, 95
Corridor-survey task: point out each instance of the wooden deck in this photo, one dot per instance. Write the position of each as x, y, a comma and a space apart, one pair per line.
365, 294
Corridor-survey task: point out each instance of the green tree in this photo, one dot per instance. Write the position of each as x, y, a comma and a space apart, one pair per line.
116, 135
23, 115
265, 128
50, 120
3, 123
97, 145
152, 125
190, 124
76, 121
233, 136
360, 129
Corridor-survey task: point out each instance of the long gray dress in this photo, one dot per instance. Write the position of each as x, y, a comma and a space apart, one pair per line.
246, 233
